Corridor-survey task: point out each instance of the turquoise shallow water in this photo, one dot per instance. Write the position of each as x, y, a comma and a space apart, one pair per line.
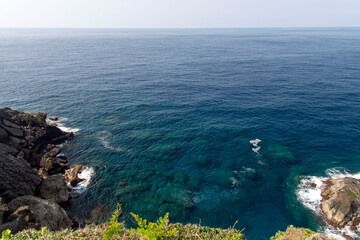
172, 112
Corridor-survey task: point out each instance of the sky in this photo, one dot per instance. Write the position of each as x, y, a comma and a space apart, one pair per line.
179, 13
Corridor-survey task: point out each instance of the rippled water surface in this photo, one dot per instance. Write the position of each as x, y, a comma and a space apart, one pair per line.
171, 112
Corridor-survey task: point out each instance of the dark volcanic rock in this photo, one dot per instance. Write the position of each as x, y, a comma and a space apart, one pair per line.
52, 165
16, 132
3, 135
4, 148
23, 139
39, 212
17, 178
54, 152
49, 147
10, 124
341, 202
72, 175
3, 210
23, 119
54, 188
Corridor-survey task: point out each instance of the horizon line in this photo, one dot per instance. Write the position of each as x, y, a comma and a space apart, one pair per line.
278, 27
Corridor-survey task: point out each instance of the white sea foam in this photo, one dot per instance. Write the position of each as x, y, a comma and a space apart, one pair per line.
255, 143
256, 150
105, 138
87, 174
310, 197
61, 124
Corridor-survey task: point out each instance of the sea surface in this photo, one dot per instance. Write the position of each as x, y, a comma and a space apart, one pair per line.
171, 113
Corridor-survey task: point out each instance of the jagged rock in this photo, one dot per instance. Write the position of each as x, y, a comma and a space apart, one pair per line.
23, 119
17, 178
341, 202
54, 188
40, 212
52, 165
16, 132
20, 155
54, 152
10, 124
49, 147
14, 226
3, 210
4, 148
54, 118
43, 173
72, 175
17, 141
3, 135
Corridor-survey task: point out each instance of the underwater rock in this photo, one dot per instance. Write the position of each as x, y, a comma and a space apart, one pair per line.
122, 184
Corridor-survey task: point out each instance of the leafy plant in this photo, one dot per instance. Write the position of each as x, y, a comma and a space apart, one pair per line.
114, 226
154, 231
6, 235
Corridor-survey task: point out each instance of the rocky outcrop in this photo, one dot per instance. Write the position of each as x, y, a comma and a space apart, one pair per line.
28, 162
293, 233
72, 175
54, 188
17, 178
37, 213
340, 202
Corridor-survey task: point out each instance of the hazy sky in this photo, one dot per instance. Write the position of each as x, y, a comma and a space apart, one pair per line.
179, 13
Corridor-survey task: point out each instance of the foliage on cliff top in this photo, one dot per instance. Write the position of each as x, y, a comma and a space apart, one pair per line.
162, 229
293, 233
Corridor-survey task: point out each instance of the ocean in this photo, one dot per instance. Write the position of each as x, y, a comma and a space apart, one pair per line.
171, 112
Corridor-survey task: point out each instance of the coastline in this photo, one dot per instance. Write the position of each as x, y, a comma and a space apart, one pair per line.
35, 180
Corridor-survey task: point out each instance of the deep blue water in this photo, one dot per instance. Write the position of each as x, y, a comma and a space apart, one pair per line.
172, 112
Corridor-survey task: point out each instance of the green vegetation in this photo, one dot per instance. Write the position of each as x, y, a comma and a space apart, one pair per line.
293, 233
114, 228
146, 230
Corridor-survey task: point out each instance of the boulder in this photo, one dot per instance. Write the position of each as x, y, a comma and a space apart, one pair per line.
54, 188
49, 147
37, 212
43, 173
72, 175
14, 226
53, 118
340, 202
10, 124
3, 210
52, 165
16, 132
54, 152
17, 141
17, 178
4, 148
23, 119
3, 135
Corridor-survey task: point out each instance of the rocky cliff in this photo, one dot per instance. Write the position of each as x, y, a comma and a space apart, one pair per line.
32, 181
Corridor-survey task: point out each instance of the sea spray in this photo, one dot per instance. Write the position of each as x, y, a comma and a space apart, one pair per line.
309, 194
